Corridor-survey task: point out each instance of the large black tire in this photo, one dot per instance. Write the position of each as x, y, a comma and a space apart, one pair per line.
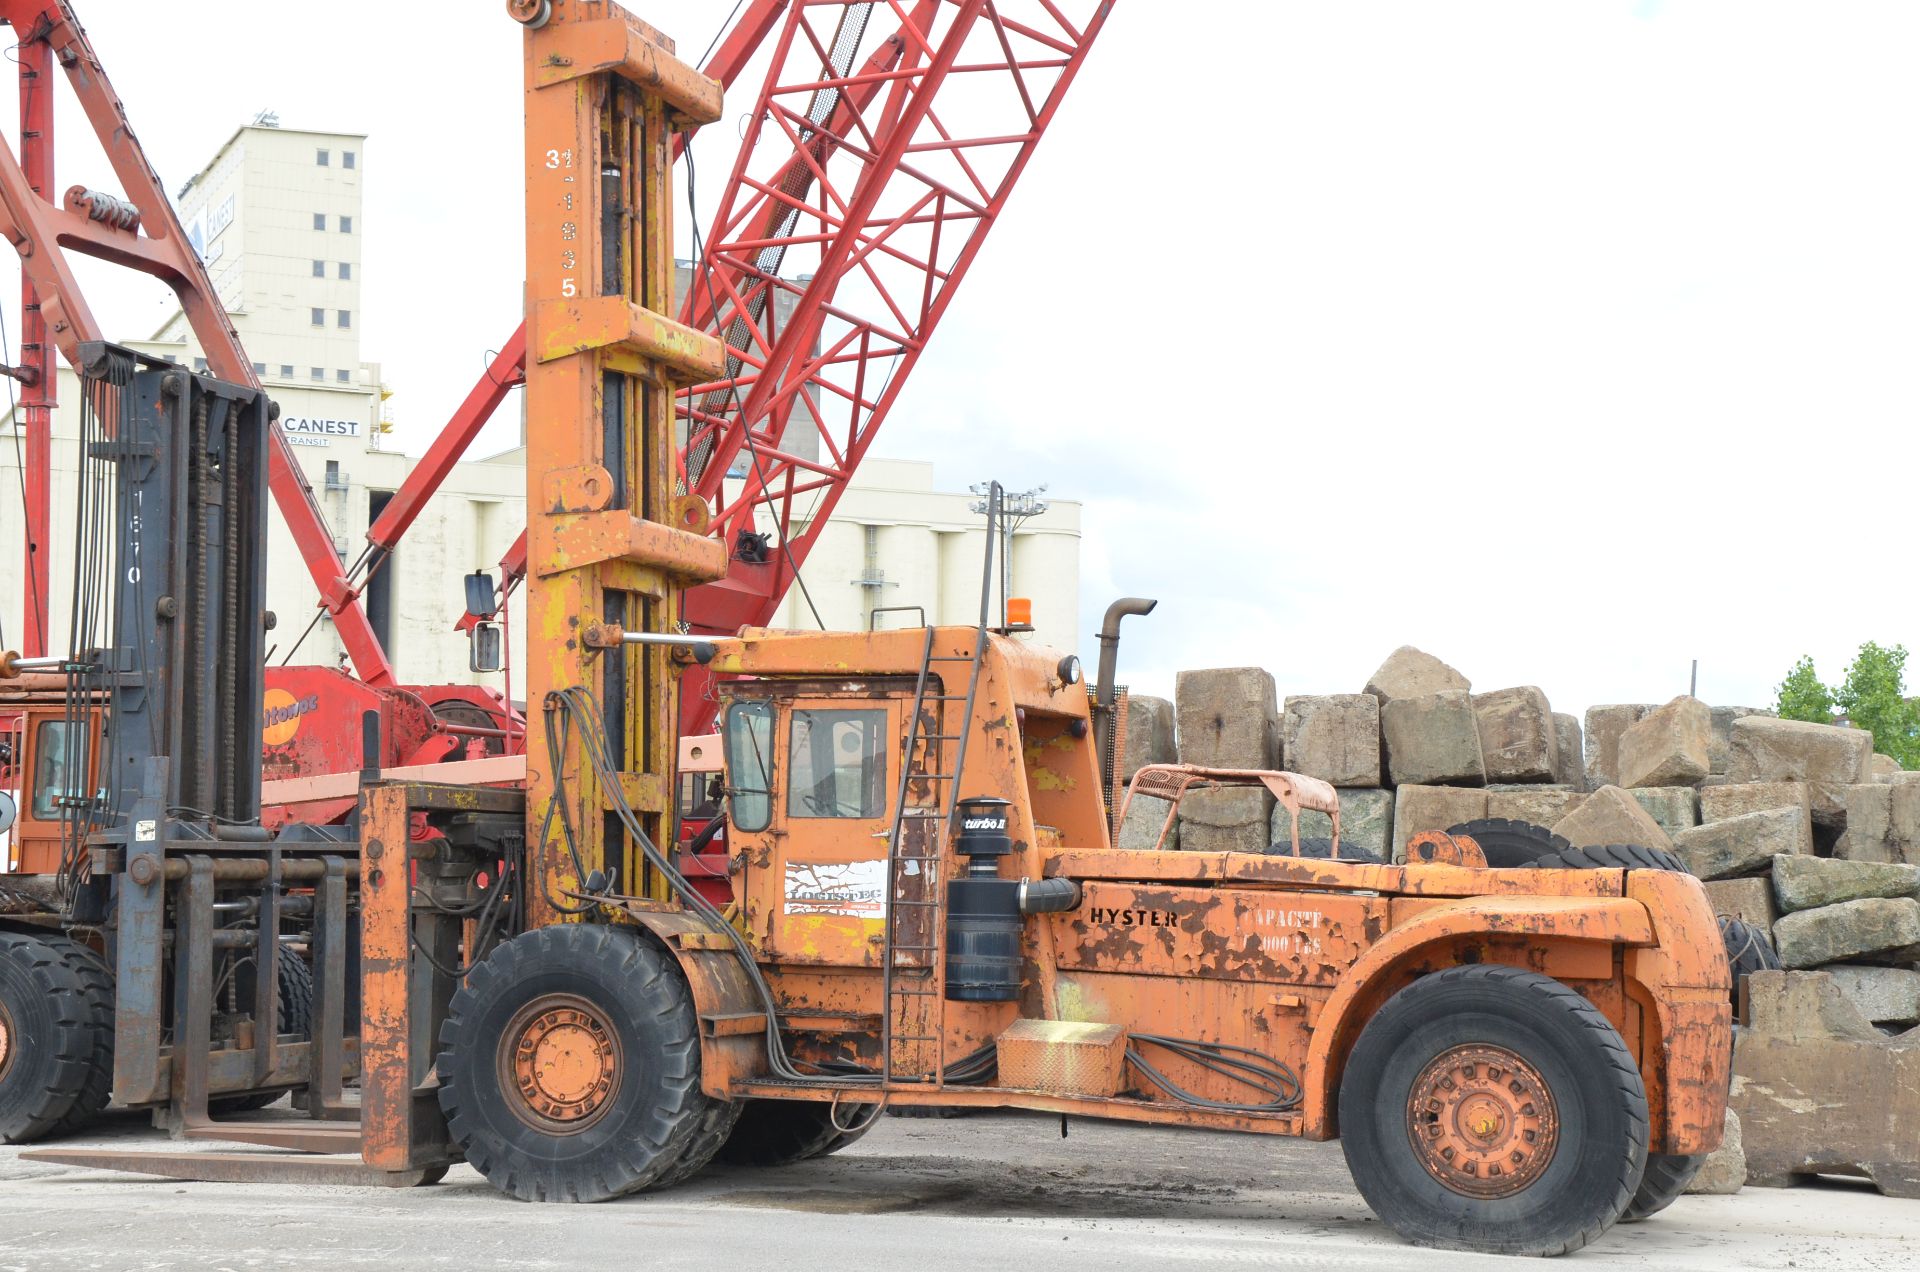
1320, 848
1749, 950
296, 1017
57, 1015
716, 1127
606, 1000
781, 1132
1588, 1170
1613, 857
1667, 1176
1510, 844
94, 974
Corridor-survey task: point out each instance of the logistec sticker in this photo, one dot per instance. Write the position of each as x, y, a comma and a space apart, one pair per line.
855, 889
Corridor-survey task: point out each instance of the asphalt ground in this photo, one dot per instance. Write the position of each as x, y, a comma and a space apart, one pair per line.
982, 1192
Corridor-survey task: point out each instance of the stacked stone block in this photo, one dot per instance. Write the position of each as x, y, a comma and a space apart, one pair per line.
1226, 719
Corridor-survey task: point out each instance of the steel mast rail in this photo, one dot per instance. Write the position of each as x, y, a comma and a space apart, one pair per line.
138, 229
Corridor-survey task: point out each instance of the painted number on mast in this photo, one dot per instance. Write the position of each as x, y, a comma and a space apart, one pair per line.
562, 161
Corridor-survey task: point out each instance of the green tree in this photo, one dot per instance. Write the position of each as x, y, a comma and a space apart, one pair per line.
1874, 698
1803, 697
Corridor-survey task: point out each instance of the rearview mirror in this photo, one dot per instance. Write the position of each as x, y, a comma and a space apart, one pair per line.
480, 594
483, 647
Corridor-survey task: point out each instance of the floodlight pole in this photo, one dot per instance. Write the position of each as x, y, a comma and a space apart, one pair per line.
1016, 507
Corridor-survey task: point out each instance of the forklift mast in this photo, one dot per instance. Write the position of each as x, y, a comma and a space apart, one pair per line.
611, 546
190, 459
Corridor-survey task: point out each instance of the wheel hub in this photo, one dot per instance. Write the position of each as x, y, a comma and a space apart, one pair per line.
6, 1040
561, 1059
1482, 1120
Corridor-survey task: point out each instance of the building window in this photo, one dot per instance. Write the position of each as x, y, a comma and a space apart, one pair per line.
259, 368
319, 373
346, 225
346, 270
199, 364
346, 159
286, 370
319, 269
345, 377
343, 317
333, 473
320, 157
319, 317
319, 220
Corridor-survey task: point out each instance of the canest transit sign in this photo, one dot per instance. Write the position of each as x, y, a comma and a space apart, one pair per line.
309, 430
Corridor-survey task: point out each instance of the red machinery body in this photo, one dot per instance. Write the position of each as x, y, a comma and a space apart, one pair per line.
315, 723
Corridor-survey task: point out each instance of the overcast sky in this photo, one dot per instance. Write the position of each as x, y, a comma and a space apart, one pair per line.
1570, 342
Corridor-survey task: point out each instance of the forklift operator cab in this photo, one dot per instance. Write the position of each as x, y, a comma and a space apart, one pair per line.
811, 776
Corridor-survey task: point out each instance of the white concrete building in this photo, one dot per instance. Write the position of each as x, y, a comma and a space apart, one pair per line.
896, 540
278, 217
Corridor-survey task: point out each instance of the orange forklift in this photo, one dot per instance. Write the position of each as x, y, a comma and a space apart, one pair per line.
927, 904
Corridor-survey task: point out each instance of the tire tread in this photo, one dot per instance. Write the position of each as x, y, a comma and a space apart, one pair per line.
1510, 843
1613, 857
82, 1044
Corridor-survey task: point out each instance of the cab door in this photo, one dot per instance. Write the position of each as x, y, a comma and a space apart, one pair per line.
812, 828
54, 759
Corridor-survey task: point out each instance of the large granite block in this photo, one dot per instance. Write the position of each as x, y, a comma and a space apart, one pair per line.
1432, 740
1605, 724
1669, 746
1827, 757
1413, 673
1334, 737
1516, 734
1611, 816
1226, 718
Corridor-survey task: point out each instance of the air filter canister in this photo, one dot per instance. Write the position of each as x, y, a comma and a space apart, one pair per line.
983, 910
983, 940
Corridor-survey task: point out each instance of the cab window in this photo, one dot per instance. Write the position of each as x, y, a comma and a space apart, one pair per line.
750, 765
56, 767
837, 763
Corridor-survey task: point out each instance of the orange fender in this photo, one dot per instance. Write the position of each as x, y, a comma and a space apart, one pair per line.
733, 1020
1614, 920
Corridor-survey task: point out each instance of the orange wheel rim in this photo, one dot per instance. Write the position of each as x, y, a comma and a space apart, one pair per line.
560, 1064
1482, 1120
6, 1040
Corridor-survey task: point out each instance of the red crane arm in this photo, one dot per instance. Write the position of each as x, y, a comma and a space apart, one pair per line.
141, 233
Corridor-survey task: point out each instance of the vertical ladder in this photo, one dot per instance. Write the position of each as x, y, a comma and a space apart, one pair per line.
914, 967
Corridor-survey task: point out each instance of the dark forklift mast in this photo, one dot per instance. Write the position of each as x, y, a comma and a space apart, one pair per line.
189, 454
195, 905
